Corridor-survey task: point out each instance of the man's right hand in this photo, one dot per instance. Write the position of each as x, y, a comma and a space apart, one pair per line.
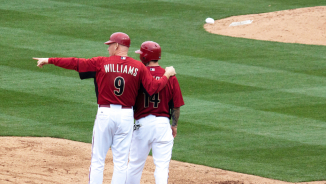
42, 61
169, 71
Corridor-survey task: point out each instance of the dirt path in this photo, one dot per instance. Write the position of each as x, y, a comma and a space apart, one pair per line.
303, 25
28, 160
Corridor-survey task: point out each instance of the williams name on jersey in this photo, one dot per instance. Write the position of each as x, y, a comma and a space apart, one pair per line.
121, 69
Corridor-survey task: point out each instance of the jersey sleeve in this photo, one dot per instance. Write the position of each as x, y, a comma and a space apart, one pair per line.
150, 84
78, 64
177, 95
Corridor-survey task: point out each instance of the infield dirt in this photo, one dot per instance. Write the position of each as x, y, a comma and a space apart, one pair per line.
27, 160
303, 25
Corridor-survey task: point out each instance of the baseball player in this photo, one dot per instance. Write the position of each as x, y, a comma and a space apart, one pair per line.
118, 79
152, 127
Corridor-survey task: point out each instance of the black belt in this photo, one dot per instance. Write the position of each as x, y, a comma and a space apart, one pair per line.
123, 107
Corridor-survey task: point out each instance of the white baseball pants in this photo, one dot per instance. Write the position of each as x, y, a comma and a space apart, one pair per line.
112, 128
155, 133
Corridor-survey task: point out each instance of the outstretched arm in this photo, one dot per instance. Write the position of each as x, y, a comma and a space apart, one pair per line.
175, 113
78, 64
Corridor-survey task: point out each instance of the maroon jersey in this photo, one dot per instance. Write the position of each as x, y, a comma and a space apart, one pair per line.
118, 78
160, 103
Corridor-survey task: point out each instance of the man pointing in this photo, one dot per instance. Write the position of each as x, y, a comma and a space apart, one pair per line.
118, 79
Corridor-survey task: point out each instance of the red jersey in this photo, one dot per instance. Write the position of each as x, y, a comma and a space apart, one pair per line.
160, 103
118, 78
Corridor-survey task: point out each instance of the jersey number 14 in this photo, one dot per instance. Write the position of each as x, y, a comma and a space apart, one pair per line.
151, 99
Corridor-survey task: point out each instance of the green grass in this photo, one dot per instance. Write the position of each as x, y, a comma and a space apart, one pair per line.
252, 106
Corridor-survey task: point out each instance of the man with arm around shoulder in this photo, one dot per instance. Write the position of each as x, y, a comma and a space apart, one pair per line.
152, 127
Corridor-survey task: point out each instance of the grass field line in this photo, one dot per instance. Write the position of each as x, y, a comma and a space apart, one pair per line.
310, 91
55, 44
251, 121
257, 76
188, 65
271, 101
14, 121
18, 126
60, 8
30, 5
223, 113
280, 80
48, 85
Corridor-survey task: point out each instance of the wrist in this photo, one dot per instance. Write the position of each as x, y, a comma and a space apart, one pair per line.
166, 75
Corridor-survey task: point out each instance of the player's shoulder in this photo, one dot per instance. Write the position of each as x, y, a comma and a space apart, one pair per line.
174, 78
173, 81
156, 70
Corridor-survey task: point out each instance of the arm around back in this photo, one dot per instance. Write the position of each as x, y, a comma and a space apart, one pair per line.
152, 85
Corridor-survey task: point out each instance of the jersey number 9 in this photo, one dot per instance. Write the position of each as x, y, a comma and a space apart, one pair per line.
119, 84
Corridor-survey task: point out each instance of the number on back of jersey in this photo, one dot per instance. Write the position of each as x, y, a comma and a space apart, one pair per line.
151, 99
119, 84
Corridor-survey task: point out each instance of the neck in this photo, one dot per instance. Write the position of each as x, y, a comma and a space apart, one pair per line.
121, 53
151, 63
